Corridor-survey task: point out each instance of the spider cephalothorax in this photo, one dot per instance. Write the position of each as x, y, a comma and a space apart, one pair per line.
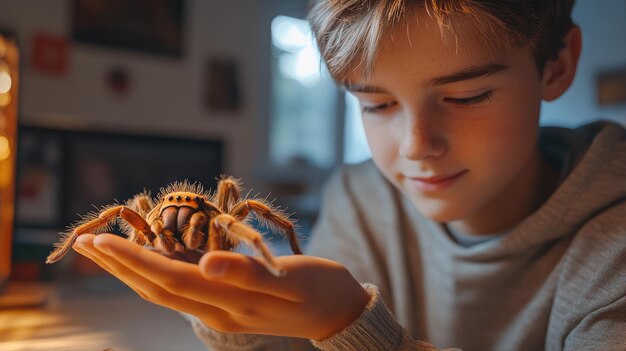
186, 217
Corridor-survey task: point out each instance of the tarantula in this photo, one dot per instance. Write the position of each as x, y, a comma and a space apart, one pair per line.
184, 216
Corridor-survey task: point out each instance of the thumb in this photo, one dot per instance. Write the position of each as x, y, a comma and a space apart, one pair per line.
243, 271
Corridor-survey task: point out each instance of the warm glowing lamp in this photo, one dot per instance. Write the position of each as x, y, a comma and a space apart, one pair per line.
5, 149
8, 135
5, 80
5, 100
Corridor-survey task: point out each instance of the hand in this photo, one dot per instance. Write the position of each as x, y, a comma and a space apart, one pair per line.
234, 293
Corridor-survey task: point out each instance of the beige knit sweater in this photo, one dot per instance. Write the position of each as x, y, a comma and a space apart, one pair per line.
556, 281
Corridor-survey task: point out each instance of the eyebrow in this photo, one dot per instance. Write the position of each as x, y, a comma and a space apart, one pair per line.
461, 75
468, 73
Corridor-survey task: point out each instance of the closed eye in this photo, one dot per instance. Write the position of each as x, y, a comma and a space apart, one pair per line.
471, 100
377, 108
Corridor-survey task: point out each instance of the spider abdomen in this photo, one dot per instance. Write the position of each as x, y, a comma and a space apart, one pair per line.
176, 219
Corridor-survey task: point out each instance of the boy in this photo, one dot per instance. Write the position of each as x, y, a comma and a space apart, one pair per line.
476, 228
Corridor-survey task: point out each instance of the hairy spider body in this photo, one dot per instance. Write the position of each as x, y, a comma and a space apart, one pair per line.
185, 217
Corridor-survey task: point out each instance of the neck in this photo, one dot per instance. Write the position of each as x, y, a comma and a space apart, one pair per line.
524, 195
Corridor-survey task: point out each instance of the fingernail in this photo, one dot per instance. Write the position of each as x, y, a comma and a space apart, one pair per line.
216, 269
102, 248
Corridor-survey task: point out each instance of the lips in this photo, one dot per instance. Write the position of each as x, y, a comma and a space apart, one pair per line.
436, 179
434, 183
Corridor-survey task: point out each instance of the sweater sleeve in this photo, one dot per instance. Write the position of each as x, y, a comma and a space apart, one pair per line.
376, 330
218, 341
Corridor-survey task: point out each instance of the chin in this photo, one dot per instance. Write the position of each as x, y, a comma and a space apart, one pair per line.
439, 210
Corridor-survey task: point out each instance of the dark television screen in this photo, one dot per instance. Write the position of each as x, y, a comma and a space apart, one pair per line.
102, 168
63, 174
154, 26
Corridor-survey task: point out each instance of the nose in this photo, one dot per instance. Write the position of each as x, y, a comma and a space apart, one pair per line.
421, 138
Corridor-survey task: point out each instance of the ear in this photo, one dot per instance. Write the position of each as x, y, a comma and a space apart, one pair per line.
558, 74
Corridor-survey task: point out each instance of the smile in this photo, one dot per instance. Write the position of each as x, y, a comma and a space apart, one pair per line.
436, 183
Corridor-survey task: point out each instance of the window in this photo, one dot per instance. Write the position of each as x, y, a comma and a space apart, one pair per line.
304, 99
307, 108
313, 126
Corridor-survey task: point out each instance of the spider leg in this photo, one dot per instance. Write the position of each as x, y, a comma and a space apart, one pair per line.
238, 231
270, 218
218, 239
141, 203
96, 225
141, 233
165, 239
135, 227
228, 190
193, 235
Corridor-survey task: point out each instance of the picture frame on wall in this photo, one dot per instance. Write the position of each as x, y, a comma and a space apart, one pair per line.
611, 87
40, 179
50, 54
223, 90
154, 26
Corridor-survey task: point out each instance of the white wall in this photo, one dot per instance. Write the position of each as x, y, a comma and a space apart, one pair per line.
603, 26
167, 94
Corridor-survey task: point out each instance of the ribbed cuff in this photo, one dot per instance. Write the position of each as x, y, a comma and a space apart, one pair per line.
376, 329
225, 341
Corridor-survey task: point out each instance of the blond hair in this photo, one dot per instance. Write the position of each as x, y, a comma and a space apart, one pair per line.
348, 32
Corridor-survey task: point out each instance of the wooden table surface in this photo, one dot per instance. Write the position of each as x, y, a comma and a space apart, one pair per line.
95, 314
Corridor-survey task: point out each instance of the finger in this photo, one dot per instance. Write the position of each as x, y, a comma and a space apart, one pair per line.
81, 246
250, 273
85, 242
212, 316
85, 239
125, 250
180, 278
81, 249
152, 292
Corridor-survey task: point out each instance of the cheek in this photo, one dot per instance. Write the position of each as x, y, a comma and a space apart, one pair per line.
504, 141
382, 143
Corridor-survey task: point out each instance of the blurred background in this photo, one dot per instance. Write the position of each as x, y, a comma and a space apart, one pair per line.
118, 96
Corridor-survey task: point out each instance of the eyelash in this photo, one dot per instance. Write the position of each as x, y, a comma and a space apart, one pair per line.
474, 100
366, 109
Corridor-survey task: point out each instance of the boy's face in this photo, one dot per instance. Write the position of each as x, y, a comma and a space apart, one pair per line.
469, 116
